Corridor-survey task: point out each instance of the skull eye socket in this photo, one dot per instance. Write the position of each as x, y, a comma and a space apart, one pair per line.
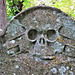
51, 35
32, 34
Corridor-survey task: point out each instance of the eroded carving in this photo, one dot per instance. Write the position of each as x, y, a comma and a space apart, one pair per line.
44, 37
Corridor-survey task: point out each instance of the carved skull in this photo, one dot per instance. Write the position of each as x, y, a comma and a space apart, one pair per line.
40, 32
42, 37
45, 38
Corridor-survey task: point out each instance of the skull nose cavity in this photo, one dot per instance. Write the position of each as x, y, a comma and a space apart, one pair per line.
42, 41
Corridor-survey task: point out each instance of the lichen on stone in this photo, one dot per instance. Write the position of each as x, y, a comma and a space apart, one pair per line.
62, 69
54, 70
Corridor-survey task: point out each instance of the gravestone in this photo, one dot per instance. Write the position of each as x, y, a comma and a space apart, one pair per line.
38, 41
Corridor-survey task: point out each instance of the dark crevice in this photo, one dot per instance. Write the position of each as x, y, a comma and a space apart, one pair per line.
18, 48
64, 48
47, 59
34, 42
23, 27
13, 47
43, 41
60, 28
17, 37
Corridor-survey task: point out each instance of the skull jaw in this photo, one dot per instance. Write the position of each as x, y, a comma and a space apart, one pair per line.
46, 52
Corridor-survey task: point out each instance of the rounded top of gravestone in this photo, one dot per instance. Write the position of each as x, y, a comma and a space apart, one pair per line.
45, 28
40, 7
42, 39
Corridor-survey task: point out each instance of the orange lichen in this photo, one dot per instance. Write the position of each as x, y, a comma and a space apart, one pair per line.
70, 65
54, 57
54, 63
52, 49
67, 62
27, 59
67, 71
60, 39
62, 62
48, 14
59, 61
73, 44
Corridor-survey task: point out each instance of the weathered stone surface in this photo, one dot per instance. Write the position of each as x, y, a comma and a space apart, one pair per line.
39, 41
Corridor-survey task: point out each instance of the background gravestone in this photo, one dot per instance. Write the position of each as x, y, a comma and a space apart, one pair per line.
38, 41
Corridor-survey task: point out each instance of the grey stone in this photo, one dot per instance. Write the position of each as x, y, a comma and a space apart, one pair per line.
39, 41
